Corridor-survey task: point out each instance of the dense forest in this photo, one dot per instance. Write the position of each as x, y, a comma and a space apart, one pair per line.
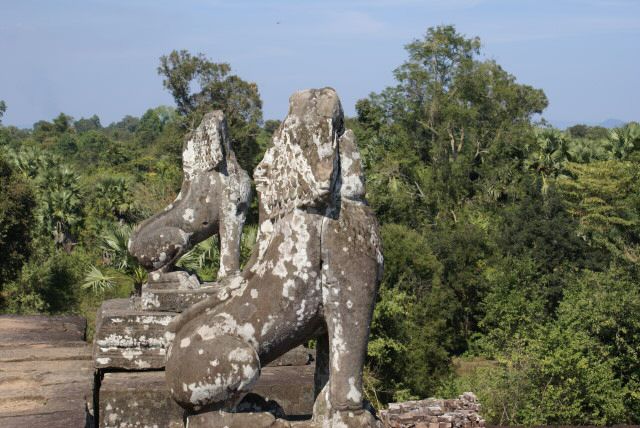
512, 249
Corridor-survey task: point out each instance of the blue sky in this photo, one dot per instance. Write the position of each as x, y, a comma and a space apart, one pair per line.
100, 56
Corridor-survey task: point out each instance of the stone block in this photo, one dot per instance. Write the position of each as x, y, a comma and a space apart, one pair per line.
18, 329
246, 420
133, 339
129, 339
290, 386
233, 420
126, 398
174, 299
46, 372
137, 399
299, 356
434, 410
172, 280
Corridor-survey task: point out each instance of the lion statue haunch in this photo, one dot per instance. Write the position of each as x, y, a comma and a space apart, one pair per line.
314, 272
214, 198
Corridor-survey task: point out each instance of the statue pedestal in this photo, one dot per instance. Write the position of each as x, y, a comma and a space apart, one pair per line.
130, 398
129, 339
129, 356
245, 420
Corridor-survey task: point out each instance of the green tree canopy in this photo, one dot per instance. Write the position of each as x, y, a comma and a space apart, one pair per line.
84, 125
199, 85
465, 121
17, 202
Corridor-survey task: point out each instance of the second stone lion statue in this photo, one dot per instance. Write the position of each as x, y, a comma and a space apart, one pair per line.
314, 273
214, 198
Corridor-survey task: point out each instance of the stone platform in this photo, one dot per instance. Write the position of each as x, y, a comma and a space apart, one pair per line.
47, 379
46, 372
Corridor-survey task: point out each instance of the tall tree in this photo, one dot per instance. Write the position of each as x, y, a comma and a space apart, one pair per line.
3, 109
603, 196
17, 202
84, 125
461, 117
198, 85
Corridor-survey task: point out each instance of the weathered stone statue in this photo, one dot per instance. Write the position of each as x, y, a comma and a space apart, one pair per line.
214, 198
314, 273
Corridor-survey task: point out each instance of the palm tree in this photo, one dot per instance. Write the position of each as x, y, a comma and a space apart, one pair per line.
59, 194
113, 243
60, 203
115, 198
623, 141
206, 254
30, 162
584, 150
548, 156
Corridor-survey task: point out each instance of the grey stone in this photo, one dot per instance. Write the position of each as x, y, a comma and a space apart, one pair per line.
434, 413
299, 356
17, 329
176, 280
45, 380
133, 339
127, 398
232, 420
126, 338
137, 399
174, 300
289, 386
214, 198
314, 272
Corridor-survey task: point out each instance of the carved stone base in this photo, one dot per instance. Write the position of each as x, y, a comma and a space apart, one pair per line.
267, 420
129, 339
136, 397
173, 299
127, 398
133, 339
236, 420
174, 291
172, 280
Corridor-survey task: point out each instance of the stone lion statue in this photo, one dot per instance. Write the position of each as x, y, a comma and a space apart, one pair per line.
314, 273
214, 198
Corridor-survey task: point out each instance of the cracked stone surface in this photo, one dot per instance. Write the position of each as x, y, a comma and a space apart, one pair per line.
46, 373
314, 273
214, 198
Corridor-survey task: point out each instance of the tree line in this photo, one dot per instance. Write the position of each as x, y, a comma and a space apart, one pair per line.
511, 248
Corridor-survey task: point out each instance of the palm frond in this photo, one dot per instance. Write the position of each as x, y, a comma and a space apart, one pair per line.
206, 253
97, 281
